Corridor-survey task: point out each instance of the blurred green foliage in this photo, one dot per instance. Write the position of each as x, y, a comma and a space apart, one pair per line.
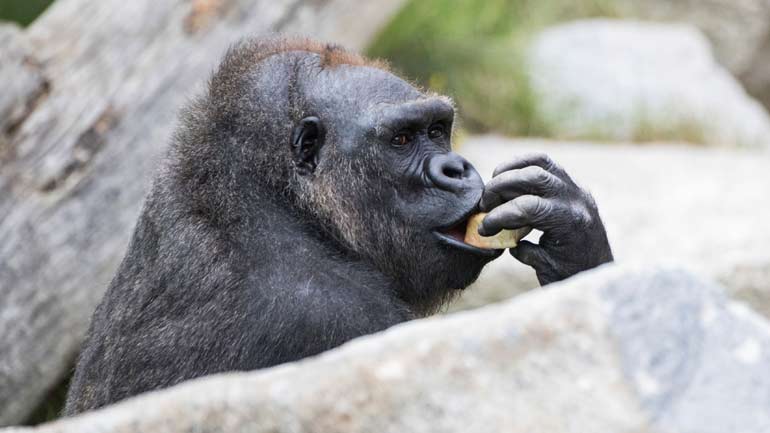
22, 11
474, 50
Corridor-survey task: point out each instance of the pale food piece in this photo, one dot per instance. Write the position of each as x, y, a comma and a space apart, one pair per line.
503, 239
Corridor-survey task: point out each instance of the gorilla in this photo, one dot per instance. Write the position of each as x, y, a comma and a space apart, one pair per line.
310, 196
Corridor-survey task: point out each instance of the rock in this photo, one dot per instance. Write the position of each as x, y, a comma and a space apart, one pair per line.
83, 156
23, 83
616, 349
738, 30
704, 209
635, 81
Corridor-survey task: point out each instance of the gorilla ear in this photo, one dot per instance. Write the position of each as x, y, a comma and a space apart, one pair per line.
306, 141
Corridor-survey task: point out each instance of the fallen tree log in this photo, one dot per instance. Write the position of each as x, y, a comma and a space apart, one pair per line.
94, 91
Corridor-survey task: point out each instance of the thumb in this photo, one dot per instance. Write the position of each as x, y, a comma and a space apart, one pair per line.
534, 255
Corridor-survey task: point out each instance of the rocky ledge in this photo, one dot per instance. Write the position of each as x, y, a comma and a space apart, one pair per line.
620, 348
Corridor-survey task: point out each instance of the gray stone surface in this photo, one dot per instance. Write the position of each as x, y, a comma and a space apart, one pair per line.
618, 349
23, 83
704, 209
736, 28
697, 364
739, 31
82, 159
640, 81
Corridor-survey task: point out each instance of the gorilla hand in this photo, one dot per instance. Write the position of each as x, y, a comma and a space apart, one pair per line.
533, 191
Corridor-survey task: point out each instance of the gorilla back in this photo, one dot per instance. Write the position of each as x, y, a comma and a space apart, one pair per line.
309, 196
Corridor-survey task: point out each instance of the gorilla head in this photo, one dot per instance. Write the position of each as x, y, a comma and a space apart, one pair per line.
361, 156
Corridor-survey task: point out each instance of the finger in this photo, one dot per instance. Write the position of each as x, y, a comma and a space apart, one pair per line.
538, 159
531, 254
534, 255
532, 180
523, 211
489, 200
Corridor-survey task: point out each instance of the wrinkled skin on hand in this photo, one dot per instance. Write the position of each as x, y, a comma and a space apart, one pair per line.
533, 191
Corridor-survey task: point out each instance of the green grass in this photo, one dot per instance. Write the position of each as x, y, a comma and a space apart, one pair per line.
474, 51
681, 130
22, 12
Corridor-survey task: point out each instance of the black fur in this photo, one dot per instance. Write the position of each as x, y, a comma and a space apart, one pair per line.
248, 255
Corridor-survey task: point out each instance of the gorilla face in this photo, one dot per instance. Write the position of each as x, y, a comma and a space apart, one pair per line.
385, 178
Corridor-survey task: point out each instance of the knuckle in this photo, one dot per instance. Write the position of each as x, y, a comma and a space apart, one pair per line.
538, 177
530, 204
548, 163
533, 171
588, 199
545, 179
581, 216
543, 207
519, 206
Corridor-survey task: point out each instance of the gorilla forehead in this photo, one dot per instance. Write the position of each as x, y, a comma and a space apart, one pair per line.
370, 100
360, 86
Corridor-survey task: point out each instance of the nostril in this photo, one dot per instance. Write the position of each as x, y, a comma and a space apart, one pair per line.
467, 169
453, 172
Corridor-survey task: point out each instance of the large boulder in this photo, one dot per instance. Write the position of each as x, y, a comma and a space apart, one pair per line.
705, 209
80, 157
738, 30
637, 81
617, 349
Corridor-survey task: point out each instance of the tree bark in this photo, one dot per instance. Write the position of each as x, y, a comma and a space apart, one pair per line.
94, 90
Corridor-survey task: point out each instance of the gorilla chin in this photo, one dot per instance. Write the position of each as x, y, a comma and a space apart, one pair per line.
435, 274
438, 266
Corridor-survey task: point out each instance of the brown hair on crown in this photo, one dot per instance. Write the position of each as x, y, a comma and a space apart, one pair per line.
242, 57
331, 54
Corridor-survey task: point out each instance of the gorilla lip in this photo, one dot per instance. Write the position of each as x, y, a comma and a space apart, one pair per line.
454, 235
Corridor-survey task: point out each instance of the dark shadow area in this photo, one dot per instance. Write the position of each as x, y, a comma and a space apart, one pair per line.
50, 408
22, 12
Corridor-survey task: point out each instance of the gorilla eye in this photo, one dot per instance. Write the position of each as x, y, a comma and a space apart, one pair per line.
401, 140
436, 131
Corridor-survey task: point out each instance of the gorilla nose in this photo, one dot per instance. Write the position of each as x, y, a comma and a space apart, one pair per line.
452, 172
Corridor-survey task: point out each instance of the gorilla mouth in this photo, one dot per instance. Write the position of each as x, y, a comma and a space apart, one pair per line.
457, 231
454, 236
